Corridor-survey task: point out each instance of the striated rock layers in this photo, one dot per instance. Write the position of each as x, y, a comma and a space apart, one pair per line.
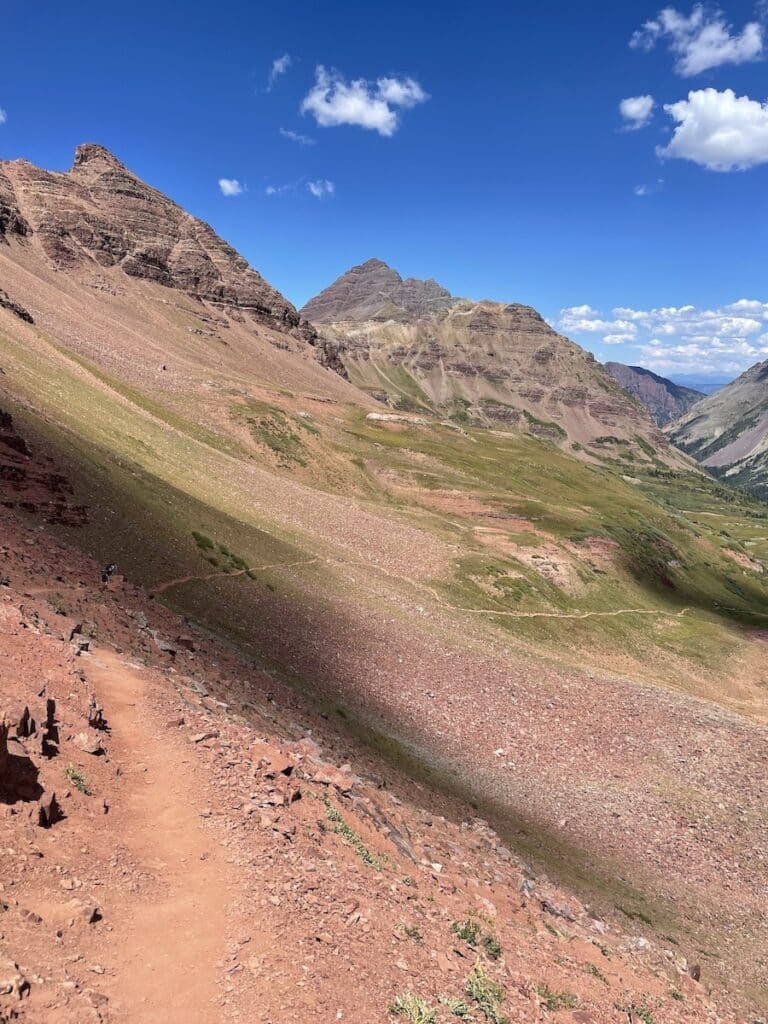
414, 346
664, 399
101, 213
374, 291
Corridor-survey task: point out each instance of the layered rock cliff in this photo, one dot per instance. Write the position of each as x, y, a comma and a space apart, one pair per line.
664, 399
100, 213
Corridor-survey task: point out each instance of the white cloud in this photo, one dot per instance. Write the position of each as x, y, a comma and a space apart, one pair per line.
718, 130
3, 116
279, 190
585, 320
333, 101
648, 190
636, 111
700, 41
231, 187
302, 140
321, 188
617, 339
401, 92
726, 339
279, 67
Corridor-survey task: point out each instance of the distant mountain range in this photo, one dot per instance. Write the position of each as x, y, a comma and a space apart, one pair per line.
707, 383
665, 399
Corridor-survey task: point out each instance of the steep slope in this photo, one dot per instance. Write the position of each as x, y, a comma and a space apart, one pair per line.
415, 347
180, 845
466, 601
666, 400
99, 214
728, 431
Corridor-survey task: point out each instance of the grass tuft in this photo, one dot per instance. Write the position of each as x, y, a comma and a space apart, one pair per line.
458, 1007
556, 1000
414, 1009
487, 993
77, 779
341, 827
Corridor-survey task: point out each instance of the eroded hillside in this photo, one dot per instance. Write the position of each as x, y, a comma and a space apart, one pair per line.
415, 347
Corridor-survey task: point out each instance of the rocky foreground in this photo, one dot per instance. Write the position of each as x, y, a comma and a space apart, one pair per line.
180, 842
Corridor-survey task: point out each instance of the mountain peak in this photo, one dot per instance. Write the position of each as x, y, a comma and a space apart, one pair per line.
374, 263
375, 291
93, 153
101, 215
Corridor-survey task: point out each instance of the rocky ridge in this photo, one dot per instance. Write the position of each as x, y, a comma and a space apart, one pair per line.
665, 399
482, 363
101, 215
374, 291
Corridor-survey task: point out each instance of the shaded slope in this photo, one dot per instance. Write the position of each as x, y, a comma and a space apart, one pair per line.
665, 399
230, 823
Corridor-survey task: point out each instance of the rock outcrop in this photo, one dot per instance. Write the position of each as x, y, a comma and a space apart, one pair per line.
6, 302
664, 399
101, 214
31, 482
11, 220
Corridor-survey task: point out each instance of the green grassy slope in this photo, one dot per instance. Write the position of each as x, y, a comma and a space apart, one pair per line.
518, 518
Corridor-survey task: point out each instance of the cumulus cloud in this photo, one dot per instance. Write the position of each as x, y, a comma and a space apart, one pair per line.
718, 130
586, 320
231, 187
636, 111
279, 67
3, 116
728, 357
725, 339
302, 140
321, 188
333, 101
701, 40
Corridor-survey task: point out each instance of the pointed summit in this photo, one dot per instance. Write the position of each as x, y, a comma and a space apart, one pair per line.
374, 291
100, 214
92, 153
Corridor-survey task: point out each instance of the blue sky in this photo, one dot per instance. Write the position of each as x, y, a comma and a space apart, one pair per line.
487, 148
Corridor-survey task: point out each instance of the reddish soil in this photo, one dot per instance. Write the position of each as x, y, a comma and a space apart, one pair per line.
238, 873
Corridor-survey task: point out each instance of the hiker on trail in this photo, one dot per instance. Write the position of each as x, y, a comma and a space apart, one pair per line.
108, 572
